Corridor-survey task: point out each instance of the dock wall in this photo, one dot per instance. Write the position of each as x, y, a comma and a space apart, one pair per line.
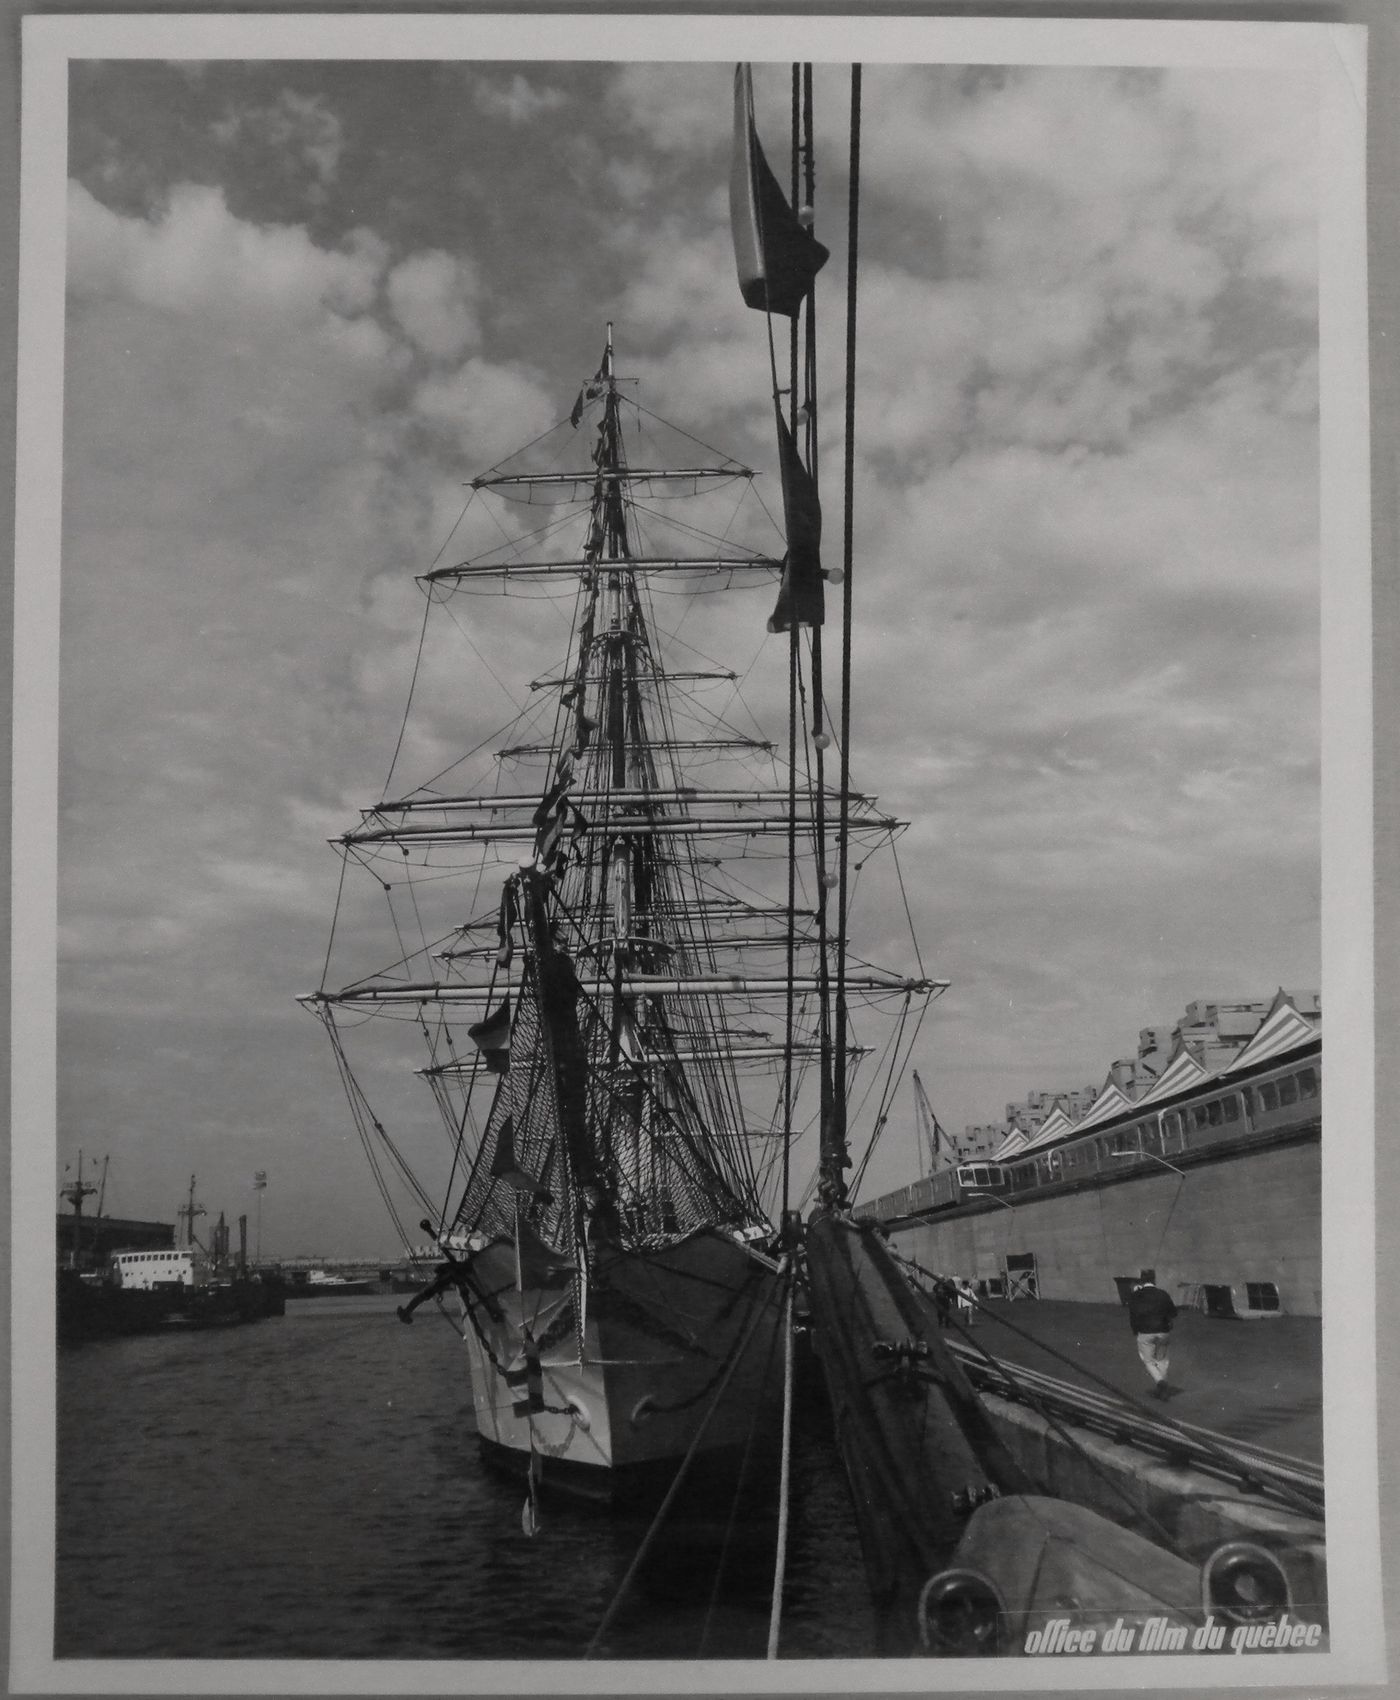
1255, 1216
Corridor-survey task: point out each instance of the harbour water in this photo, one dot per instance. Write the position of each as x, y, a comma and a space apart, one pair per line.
309, 1487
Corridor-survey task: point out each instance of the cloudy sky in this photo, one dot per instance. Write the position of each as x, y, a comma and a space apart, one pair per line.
307, 300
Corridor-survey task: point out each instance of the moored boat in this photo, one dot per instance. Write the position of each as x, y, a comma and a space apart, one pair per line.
152, 1288
324, 1284
617, 1251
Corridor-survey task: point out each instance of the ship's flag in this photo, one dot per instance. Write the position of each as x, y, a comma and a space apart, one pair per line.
777, 257
589, 391
801, 595
550, 803
491, 1036
552, 841
553, 845
259, 1180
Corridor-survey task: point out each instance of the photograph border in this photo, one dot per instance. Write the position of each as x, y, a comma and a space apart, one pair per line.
1349, 920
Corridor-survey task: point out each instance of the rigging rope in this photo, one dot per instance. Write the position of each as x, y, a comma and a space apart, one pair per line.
1199, 1435
412, 686
847, 559
735, 1501
775, 1617
623, 1587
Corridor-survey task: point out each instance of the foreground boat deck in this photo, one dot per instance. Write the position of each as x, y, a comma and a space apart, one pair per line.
1259, 1382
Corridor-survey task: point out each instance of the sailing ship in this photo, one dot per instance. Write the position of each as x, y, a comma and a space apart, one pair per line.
651, 958
622, 1221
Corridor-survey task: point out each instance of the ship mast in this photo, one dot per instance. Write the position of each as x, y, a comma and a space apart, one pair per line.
78, 1190
613, 893
187, 1213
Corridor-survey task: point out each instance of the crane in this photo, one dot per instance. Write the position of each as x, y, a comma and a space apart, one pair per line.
933, 1140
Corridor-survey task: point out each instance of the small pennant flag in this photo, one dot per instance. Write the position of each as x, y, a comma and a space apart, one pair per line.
589, 392
260, 1180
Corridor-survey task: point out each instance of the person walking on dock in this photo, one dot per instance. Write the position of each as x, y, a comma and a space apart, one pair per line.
1150, 1316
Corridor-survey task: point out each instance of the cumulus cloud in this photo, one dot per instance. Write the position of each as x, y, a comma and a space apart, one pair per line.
197, 257
299, 126
518, 102
679, 108
433, 296
485, 408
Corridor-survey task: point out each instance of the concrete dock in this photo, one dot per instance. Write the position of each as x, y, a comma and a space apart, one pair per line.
1257, 1382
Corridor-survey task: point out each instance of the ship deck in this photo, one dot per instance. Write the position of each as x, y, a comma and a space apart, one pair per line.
1257, 1381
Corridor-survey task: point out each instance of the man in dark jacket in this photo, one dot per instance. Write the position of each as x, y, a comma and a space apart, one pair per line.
1150, 1316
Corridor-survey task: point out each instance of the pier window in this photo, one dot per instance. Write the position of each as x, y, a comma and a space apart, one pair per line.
1231, 1107
1288, 1090
1307, 1083
1268, 1096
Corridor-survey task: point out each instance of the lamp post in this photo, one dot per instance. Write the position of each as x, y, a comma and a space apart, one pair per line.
259, 1187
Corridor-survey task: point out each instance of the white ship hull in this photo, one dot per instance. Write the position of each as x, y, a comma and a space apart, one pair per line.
661, 1331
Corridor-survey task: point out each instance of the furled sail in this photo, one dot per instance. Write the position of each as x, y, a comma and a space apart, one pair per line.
777, 257
491, 1037
801, 598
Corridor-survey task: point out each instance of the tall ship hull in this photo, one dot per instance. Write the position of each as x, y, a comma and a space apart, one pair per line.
616, 1041
657, 1357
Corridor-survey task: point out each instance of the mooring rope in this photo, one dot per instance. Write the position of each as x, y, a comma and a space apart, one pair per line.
624, 1587
775, 1616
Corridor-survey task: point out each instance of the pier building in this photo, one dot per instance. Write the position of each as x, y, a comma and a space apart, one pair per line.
1206, 1173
